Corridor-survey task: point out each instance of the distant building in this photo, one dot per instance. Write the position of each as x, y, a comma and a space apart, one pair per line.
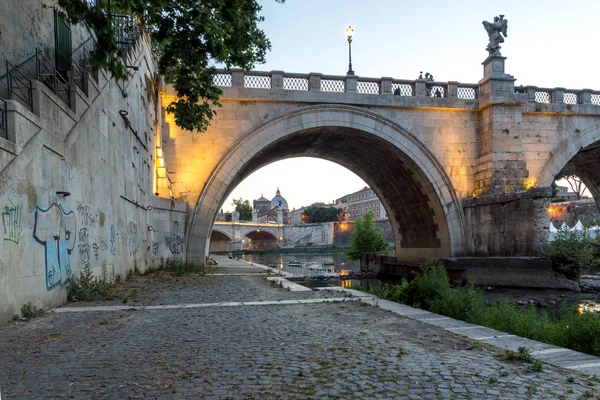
563, 194
220, 216
262, 205
296, 216
274, 210
357, 204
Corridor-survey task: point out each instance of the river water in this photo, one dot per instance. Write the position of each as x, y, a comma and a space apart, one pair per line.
338, 265
309, 264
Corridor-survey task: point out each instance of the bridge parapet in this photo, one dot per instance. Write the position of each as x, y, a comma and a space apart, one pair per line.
279, 80
317, 82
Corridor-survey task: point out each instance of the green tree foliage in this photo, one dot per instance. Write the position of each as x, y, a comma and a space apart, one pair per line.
367, 237
188, 36
572, 253
316, 214
244, 208
228, 217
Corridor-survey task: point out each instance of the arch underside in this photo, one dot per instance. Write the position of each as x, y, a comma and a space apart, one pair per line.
424, 211
586, 165
219, 242
261, 233
387, 171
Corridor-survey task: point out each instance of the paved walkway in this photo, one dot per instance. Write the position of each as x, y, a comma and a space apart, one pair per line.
243, 337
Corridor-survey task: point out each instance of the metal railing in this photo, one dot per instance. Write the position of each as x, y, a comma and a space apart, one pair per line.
403, 88
333, 85
52, 78
18, 85
127, 32
3, 120
469, 92
559, 95
434, 89
295, 82
81, 56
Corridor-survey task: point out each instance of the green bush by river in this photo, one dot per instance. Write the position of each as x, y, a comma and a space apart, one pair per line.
432, 291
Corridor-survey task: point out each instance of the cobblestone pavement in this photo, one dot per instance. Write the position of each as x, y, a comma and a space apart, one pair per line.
341, 350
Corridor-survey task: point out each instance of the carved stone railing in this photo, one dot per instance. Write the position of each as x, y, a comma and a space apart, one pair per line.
279, 80
560, 95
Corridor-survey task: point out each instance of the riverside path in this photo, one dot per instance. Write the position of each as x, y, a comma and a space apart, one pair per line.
233, 334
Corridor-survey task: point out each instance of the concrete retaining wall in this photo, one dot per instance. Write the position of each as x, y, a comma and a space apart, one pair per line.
76, 189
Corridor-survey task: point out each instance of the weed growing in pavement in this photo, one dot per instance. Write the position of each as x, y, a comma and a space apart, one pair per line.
521, 355
29, 311
537, 366
432, 291
87, 287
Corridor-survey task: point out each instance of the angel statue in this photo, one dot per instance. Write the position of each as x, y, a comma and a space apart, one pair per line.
495, 31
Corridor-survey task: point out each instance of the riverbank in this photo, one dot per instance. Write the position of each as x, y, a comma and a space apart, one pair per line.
304, 250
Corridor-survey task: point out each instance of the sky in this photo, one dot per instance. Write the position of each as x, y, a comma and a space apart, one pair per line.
550, 43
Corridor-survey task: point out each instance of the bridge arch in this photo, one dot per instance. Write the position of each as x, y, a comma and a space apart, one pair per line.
424, 209
247, 232
224, 232
580, 155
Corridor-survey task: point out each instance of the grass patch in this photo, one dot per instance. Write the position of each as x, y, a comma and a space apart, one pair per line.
432, 291
173, 268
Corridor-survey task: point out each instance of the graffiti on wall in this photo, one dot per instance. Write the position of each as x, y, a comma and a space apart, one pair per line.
54, 228
11, 220
174, 242
132, 238
155, 249
87, 216
113, 250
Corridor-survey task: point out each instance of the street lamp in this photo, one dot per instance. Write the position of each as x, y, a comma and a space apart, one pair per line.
349, 32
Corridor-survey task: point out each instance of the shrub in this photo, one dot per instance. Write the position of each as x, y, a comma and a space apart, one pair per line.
431, 290
87, 287
366, 237
572, 253
29, 311
429, 287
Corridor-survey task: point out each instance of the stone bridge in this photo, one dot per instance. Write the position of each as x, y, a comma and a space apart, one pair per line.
462, 169
238, 235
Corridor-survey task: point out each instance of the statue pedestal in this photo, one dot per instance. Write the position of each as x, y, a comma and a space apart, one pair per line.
496, 85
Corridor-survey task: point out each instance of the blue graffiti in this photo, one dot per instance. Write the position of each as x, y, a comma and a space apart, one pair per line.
112, 240
54, 228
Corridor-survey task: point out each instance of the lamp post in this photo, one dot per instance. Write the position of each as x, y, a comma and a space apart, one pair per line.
349, 32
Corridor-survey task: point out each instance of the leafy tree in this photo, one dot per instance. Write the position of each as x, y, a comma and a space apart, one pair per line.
188, 36
227, 217
576, 184
317, 213
367, 237
244, 208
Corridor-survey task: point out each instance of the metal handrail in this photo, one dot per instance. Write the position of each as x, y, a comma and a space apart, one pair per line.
3, 120
18, 84
47, 74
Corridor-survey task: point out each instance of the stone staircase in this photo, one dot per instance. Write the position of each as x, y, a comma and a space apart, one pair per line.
22, 110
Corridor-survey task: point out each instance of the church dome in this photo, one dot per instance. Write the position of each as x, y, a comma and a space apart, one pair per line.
279, 201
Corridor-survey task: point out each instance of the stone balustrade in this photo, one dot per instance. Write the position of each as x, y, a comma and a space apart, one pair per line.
279, 80
560, 95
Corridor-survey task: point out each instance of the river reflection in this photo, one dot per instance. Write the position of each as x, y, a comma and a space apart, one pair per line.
307, 264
